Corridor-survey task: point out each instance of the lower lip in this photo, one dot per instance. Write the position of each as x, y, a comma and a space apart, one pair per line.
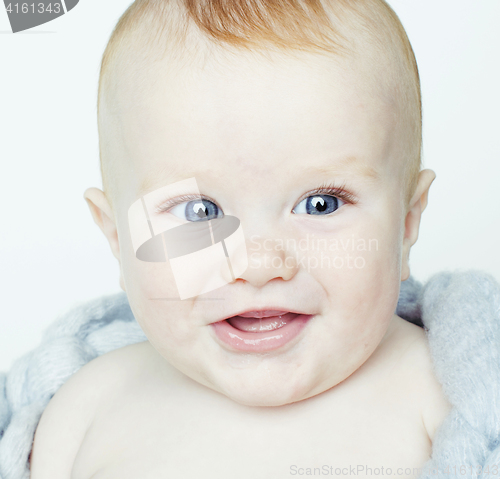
261, 341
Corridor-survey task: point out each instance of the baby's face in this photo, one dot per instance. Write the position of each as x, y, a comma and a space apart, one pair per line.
260, 138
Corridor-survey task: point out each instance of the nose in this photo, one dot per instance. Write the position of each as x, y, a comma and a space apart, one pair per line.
267, 260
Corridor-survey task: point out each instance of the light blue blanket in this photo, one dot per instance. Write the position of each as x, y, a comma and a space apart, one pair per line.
460, 313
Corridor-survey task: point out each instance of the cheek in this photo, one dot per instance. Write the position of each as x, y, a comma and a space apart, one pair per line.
362, 291
363, 277
154, 300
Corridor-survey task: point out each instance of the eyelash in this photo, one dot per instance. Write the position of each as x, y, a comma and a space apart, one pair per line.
324, 189
180, 199
333, 190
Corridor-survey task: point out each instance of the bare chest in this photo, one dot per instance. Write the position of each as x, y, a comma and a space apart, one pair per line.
150, 436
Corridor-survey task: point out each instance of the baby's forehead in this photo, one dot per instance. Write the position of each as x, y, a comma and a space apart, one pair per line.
224, 96
233, 110
222, 84
151, 85
296, 154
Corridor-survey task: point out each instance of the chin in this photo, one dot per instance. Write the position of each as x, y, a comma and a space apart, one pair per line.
262, 400
267, 395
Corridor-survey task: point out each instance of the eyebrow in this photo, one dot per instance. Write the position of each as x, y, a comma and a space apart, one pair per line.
346, 164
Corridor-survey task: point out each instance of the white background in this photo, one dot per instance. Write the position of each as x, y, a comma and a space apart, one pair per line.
51, 252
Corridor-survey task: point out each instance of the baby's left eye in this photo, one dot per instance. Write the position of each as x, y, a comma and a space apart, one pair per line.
318, 205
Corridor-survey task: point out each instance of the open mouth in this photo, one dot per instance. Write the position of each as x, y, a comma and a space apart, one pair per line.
270, 331
271, 322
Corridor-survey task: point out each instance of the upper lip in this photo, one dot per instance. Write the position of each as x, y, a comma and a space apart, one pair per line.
264, 312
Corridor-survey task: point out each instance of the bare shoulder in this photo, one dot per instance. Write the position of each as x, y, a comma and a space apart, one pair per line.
65, 420
417, 372
436, 405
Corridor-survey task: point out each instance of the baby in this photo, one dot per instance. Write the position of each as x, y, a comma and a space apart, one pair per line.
302, 122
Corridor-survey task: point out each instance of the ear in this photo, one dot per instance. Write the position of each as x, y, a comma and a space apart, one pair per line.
412, 221
104, 218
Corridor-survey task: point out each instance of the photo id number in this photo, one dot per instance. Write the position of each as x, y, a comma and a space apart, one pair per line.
34, 8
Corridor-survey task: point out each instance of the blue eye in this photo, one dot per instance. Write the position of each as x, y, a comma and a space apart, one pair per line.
196, 210
318, 205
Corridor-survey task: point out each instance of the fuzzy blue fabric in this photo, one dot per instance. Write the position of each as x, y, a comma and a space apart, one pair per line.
460, 313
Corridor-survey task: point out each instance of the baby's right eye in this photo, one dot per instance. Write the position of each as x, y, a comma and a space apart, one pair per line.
196, 210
